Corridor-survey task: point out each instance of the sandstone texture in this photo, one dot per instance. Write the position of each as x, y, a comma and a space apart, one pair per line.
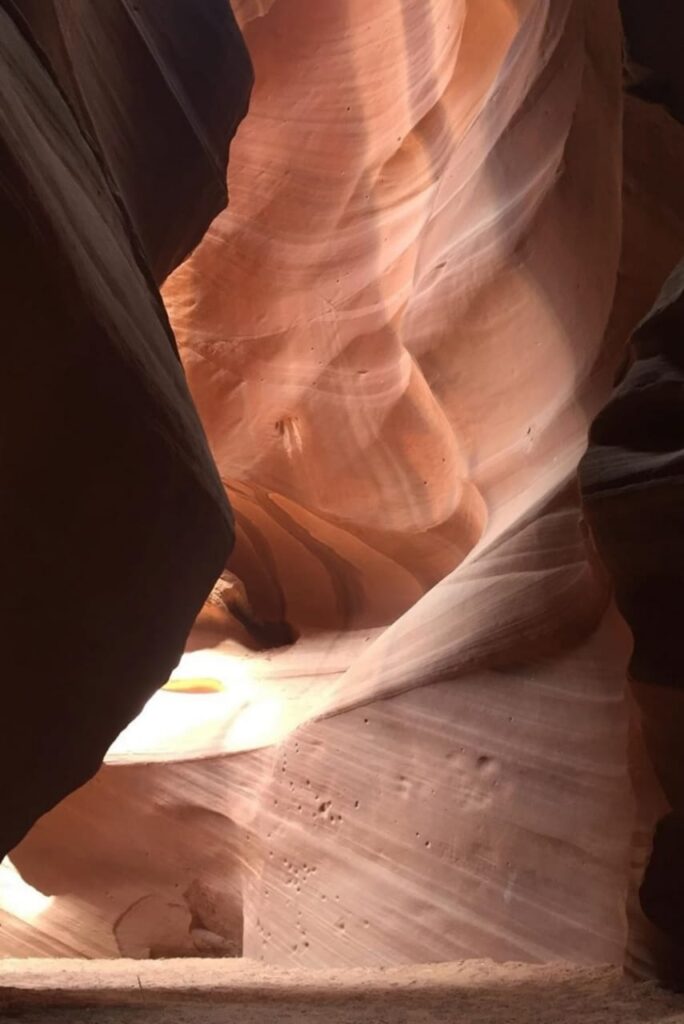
185, 992
411, 736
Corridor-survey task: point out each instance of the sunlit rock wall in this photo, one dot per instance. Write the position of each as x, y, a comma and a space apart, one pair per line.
396, 337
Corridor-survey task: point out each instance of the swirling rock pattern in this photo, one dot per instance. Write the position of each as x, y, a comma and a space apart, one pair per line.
396, 337
430, 336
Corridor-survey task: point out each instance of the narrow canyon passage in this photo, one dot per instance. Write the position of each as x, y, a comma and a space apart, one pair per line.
445, 222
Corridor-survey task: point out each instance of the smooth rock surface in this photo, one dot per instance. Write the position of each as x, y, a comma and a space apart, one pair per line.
396, 337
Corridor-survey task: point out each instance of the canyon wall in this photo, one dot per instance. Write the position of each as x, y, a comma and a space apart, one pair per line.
114, 524
396, 337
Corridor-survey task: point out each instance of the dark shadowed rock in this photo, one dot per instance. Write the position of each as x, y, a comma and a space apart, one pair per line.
160, 87
113, 522
633, 485
633, 482
654, 30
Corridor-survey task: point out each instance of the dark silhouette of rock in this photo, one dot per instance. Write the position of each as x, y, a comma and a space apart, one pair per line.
654, 30
633, 480
113, 522
632, 476
160, 87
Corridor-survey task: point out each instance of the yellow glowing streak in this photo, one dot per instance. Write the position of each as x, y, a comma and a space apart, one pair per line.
196, 685
19, 898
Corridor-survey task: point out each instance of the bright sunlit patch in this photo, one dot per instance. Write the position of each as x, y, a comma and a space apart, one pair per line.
19, 898
227, 700
200, 712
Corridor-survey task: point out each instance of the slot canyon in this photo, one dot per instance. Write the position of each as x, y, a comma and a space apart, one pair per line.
342, 504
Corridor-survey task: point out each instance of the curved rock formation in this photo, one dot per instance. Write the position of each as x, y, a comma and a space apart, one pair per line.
160, 89
630, 474
396, 337
113, 524
631, 481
